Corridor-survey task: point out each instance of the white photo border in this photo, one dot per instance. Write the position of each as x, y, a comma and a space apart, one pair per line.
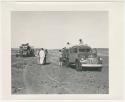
115, 11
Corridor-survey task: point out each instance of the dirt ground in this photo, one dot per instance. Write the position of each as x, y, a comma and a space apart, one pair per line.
28, 77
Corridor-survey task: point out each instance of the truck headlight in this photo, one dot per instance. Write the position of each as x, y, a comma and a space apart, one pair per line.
82, 60
100, 59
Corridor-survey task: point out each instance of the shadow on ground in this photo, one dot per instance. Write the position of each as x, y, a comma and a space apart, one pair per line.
87, 68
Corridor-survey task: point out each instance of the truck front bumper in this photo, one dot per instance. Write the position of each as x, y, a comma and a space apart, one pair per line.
91, 65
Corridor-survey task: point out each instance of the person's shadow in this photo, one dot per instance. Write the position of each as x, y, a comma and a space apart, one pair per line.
47, 63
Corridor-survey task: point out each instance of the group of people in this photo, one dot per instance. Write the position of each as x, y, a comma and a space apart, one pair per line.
65, 51
62, 52
42, 54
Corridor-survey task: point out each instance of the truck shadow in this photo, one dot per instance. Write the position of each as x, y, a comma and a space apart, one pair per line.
91, 69
87, 68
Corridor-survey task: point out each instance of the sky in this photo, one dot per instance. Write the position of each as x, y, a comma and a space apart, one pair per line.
53, 29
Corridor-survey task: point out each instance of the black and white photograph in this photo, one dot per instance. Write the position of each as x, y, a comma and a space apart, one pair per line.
59, 52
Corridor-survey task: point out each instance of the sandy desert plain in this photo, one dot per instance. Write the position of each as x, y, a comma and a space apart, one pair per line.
28, 77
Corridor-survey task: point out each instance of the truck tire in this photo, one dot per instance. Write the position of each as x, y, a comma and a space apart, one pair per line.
17, 55
67, 63
100, 69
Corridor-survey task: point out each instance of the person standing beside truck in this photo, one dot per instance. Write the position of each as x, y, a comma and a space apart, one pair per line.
68, 45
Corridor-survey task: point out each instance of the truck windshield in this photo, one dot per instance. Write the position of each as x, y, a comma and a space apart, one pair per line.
73, 50
84, 50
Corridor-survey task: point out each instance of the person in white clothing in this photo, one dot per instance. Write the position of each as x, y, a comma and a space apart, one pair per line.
68, 45
41, 56
80, 42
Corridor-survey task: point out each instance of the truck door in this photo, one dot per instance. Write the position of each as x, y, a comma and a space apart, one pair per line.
73, 55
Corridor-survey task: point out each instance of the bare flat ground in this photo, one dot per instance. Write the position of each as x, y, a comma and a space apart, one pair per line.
28, 77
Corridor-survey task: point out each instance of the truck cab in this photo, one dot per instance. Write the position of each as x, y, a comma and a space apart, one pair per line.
83, 56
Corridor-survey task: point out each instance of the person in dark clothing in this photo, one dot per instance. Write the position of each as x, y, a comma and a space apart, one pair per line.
46, 52
60, 58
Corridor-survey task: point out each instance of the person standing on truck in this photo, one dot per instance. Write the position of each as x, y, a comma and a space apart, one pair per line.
67, 45
80, 42
41, 56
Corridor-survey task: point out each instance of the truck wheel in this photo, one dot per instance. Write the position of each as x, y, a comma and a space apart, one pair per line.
67, 63
100, 69
17, 55
78, 67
